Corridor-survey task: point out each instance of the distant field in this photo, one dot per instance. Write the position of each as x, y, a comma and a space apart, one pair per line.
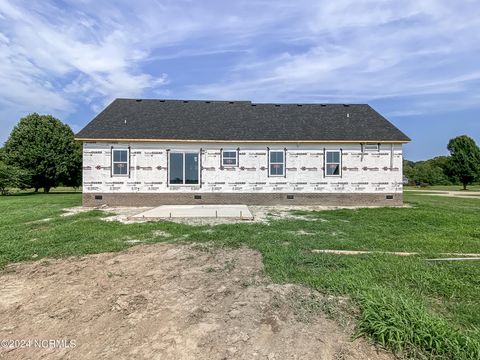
407, 304
444, 187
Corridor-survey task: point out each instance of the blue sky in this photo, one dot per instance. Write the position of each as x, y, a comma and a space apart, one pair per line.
416, 62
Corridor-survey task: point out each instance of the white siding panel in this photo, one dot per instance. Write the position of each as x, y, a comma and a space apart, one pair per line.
367, 173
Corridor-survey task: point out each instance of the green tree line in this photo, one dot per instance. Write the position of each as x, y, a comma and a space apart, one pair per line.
462, 166
41, 153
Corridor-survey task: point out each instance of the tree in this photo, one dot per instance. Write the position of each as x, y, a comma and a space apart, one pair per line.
429, 172
426, 172
45, 147
408, 171
440, 161
74, 177
464, 161
12, 177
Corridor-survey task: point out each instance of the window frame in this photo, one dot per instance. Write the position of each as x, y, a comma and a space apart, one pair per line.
365, 147
339, 163
236, 158
184, 153
121, 162
270, 163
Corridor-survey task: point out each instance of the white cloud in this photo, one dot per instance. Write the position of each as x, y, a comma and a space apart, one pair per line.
85, 53
54, 60
366, 50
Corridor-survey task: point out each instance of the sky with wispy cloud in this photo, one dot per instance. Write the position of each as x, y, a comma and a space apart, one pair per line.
415, 61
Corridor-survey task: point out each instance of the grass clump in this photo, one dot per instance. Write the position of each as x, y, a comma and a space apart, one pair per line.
407, 328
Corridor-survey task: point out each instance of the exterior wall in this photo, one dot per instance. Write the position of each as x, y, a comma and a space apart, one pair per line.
374, 174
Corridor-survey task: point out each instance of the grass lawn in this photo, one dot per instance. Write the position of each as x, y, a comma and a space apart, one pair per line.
406, 303
475, 187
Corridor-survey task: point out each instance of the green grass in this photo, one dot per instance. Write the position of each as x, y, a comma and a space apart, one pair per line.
60, 189
475, 187
409, 305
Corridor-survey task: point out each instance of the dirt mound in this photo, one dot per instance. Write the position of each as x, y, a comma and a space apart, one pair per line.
166, 302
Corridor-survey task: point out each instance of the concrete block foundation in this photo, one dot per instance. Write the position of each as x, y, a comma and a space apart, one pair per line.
324, 199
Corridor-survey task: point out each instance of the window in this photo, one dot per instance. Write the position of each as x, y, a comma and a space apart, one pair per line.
229, 158
277, 163
333, 163
184, 169
370, 147
120, 162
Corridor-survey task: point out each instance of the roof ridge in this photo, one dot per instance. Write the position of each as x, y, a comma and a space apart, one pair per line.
184, 100
241, 102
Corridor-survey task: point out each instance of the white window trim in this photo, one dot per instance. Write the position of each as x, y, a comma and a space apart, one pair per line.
236, 158
339, 163
270, 163
184, 152
121, 162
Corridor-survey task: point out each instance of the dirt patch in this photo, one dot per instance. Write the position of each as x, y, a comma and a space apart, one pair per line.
262, 214
121, 214
266, 213
168, 301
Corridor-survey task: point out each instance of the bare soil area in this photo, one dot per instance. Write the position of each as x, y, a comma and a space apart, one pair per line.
168, 301
262, 214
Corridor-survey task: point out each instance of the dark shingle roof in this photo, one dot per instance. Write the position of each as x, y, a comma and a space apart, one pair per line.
239, 121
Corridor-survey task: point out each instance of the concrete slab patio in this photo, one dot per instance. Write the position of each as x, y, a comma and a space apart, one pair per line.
196, 211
